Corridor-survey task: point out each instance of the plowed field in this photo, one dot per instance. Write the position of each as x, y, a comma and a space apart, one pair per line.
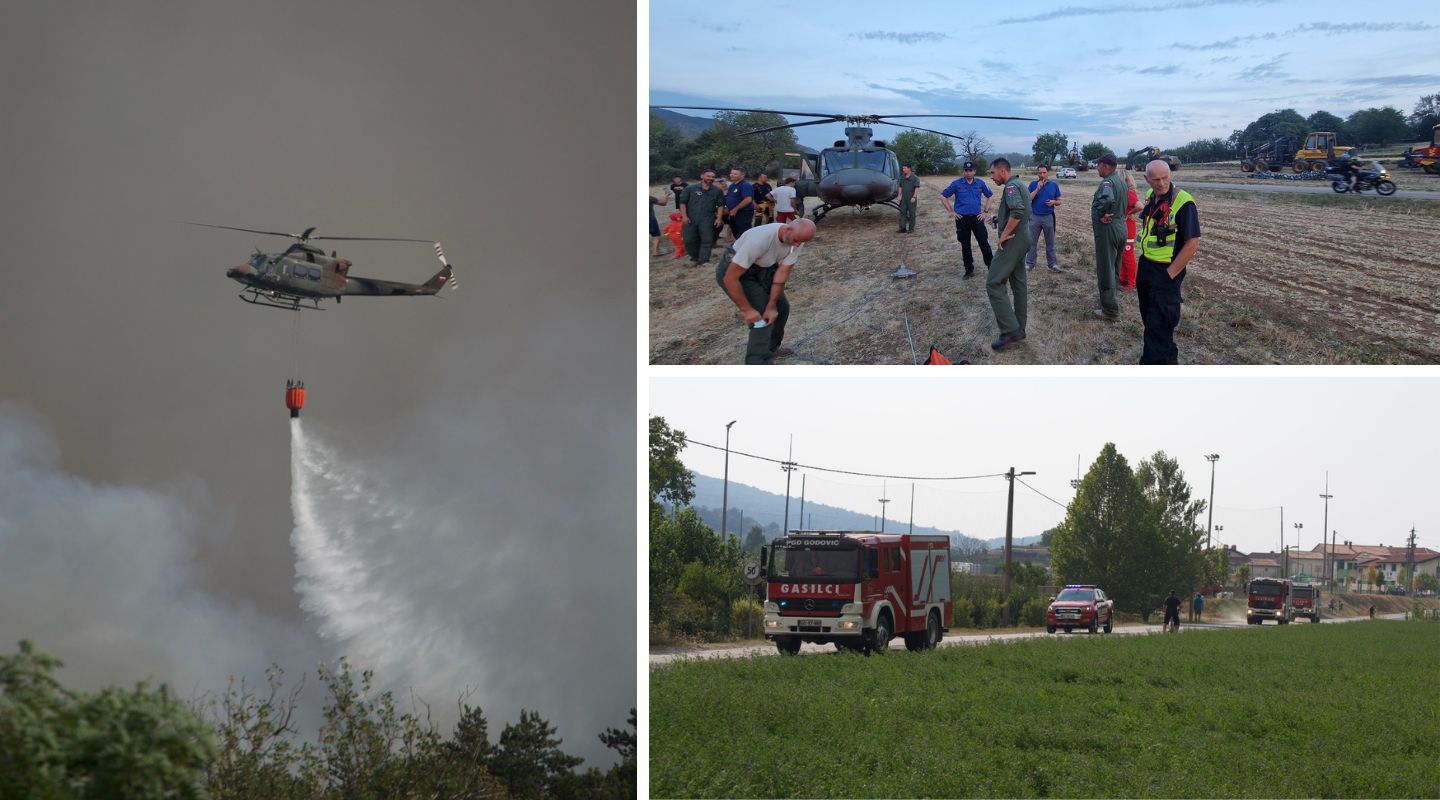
1279, 279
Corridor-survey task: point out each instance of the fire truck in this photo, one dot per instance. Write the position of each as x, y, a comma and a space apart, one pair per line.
858, 590
1269, 598
1306, 601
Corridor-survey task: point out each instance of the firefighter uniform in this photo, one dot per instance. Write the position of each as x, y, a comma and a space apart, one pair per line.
700, 204
1008, 266
1167, 223
1110, 199
908, 187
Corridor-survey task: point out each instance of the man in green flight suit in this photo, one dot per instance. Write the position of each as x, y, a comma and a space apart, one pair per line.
1107, 222
1008, 266
909, 188
700, 208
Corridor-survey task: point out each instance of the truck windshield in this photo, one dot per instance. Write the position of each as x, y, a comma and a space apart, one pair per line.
1303, 591
1076, 596
797, 562
1267, 589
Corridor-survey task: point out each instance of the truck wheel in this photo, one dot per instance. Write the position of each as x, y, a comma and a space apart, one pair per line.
1095, 624
1246, 166
1110, 622
1317, 166
880, 637
932, 631
1067, 628
1284, 621
1299, 166
1049, 628
788, 645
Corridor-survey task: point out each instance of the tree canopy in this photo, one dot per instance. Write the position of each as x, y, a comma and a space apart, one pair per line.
926, 153
669, 479
1049, 147
1376, 126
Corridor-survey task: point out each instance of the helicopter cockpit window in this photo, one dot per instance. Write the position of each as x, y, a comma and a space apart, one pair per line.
258, 261
878, 160
838, 160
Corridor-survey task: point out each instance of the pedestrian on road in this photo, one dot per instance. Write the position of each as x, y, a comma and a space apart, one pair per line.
701, 208
1044, 199
1196, 606
753, 272
1172, 611
1169, 237
1008, 266
969, 209
1107, 223
909, 198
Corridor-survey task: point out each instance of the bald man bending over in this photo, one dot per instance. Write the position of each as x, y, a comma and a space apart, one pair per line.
753, 272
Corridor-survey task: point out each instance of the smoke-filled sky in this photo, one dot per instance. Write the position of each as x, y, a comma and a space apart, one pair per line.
145, 455
1126, 74
1276, 438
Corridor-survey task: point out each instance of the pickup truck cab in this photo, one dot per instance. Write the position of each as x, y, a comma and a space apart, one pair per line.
1080, 605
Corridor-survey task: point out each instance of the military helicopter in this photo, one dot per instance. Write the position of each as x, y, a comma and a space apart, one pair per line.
303, 275
858, 170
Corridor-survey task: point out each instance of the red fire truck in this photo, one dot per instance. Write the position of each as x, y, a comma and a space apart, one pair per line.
1305, 597
1269, 598
857, 590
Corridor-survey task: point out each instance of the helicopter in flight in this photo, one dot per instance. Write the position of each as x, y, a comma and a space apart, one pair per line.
303, 275
857, 170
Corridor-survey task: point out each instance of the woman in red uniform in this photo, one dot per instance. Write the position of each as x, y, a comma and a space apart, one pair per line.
1132, 212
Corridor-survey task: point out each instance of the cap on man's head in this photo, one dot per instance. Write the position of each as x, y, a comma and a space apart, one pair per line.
1108, 158
969, 165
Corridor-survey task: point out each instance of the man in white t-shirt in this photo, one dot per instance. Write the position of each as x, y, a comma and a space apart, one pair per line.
784, 198
753, 272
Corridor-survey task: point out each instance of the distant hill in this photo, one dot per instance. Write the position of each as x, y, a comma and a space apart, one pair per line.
689, 126
768, 508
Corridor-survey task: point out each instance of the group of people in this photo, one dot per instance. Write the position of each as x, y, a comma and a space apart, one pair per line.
1172, 610
1145, 247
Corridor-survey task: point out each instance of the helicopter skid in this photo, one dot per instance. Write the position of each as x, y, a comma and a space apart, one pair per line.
286, 302
820, 212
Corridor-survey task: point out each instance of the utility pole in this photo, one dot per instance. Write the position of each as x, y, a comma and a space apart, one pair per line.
1297, 526
1282, 541
912, 507
883, 501
1331, 576
1410, 563
1009, 535
788, 467
725, 493
1326, 569
802, 501
1210, 522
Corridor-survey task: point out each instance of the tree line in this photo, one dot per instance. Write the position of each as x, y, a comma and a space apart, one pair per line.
61, 744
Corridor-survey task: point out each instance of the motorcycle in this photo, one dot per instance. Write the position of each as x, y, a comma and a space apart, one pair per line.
1373, 178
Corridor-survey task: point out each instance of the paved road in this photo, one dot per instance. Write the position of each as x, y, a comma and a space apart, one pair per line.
956, 640
1295, 187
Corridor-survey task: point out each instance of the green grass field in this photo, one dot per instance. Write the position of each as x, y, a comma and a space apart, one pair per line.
1347, 710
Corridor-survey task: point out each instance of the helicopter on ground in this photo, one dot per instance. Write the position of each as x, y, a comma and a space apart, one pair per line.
304, 274
858, 170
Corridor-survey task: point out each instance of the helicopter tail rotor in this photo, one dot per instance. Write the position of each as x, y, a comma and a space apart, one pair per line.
445, 276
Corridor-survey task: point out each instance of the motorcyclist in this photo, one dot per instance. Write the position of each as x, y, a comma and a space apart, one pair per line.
1351, 169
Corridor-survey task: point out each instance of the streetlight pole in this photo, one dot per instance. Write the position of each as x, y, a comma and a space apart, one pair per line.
1212, 458
884, 492
1009, 534
1298, 526
1325, 568
725, 493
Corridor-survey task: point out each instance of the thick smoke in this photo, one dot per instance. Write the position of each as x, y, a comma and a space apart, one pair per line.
107, 576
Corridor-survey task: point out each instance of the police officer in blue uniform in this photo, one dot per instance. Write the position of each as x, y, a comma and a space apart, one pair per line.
970, 206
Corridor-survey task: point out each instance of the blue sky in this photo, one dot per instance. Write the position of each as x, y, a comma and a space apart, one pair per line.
1125, 74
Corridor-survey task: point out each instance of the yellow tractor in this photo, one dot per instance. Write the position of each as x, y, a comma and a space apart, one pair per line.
1320, 146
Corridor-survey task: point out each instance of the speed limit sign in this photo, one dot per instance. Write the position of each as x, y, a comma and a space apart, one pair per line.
751, 573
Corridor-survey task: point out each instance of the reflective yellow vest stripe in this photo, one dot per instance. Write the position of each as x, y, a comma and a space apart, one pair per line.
1150, 246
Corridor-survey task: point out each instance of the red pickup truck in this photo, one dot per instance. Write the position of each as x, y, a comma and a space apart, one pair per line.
1080, 605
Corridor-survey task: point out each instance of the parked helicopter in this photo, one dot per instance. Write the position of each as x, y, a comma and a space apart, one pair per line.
303, 273
857, 171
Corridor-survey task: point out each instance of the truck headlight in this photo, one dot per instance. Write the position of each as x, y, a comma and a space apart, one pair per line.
848, 625
772, 623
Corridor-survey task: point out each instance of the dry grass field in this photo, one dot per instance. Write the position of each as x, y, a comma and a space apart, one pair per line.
1279, 279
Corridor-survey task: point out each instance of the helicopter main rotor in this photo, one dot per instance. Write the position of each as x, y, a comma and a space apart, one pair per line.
307, 236
848, 119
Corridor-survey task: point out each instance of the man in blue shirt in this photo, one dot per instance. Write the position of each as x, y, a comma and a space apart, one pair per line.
739, 203
971, 204
1044, 198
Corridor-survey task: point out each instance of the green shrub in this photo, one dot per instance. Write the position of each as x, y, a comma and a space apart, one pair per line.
1033, 614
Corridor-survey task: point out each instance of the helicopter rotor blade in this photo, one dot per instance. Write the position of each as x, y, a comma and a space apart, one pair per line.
834, 117
883, 117
370, 239
791, 125
917, 128
296, 236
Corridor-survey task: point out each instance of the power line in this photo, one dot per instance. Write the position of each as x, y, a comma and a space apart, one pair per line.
1042, 494
851, 472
